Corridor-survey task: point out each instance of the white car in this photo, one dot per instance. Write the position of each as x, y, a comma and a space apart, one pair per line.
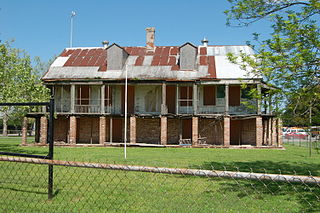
296, 133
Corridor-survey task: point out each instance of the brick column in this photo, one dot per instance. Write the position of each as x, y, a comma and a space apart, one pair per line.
110, 129
133, 127
43, 130
24, 131
269, 131
265, 131
102, 130
73, 130
226, 131
195, 130
259, 131
163, 131
279, 124
274, 131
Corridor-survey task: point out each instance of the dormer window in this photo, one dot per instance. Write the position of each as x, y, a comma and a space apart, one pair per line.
188, 56
116, 57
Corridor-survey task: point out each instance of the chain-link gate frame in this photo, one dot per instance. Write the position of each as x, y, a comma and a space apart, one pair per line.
50, 108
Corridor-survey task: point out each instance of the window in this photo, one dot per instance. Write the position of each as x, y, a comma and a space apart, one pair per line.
108, 95
83, 92
220, 91
209, 95
185, 96
234, 95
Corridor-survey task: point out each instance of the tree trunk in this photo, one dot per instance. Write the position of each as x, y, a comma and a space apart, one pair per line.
5, 124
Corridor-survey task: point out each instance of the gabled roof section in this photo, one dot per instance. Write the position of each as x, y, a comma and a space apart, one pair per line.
114, 44
162, 63
188, 43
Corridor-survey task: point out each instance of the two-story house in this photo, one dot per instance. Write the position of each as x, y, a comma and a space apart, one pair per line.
176, 95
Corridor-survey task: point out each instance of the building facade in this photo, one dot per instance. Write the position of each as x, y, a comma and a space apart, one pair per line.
177, 95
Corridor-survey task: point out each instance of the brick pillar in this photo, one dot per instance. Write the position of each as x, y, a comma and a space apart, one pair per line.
24, 131
102, 130
110, 129
73, 130
265, 131
195, 130
43, 130
279, 124
269, 131
226, 131
163, 131
259, 131
274, 131
133, 127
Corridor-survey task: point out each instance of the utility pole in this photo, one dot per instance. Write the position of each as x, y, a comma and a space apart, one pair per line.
73, 14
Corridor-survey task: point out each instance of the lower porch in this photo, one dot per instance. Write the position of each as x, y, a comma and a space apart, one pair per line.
164, 131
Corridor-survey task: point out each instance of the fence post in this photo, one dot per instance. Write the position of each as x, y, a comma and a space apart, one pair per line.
50, 154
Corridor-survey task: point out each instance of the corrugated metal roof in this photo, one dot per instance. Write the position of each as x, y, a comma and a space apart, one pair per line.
163, 62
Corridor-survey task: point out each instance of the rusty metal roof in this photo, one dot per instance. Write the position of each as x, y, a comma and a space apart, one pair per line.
162, 63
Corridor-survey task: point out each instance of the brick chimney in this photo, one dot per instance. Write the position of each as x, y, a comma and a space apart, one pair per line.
150, 38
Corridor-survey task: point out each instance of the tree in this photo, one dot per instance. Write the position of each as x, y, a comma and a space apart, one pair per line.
290, 58
19, 82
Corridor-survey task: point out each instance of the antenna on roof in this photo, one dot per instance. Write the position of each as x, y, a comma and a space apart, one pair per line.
73, 14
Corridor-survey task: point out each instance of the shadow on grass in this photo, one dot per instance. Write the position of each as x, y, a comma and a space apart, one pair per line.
264, 166
22, 190
306, 196
14, 148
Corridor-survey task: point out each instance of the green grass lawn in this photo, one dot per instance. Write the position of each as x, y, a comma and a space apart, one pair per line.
23, 187
289, 161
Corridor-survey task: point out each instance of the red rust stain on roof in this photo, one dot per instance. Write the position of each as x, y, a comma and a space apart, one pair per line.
172, 61
101, 60
174, 50
93, 60
175, 68
77, 61
128, 50
85, 61
164, 60
83, 53
212, 67
139, 61
165, 51
158, 51
155, 60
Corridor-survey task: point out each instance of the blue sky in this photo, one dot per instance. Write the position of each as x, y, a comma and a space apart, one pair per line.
42, 27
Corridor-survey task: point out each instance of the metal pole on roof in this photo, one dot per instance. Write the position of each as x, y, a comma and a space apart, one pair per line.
73, 14
125, 113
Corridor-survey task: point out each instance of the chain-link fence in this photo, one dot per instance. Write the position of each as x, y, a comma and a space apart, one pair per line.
96, 187
310, 142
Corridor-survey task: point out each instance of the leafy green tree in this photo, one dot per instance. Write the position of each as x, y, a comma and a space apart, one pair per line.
289, 58
19, 82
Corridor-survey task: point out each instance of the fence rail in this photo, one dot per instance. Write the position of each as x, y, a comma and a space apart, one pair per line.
193, 172
103, 187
